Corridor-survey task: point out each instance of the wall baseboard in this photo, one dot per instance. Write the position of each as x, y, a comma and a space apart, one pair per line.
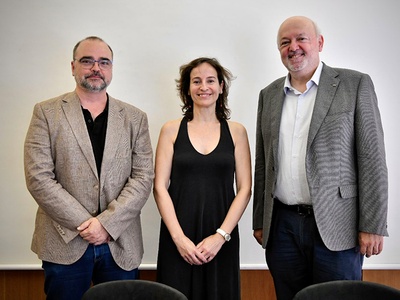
255, 284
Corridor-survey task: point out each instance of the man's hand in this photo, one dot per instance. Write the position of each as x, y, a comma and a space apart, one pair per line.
258, 234
370, 244
93, 232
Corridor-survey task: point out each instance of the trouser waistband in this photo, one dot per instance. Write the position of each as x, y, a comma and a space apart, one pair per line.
301, 209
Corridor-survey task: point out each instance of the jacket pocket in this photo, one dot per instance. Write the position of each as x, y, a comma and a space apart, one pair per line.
348, 191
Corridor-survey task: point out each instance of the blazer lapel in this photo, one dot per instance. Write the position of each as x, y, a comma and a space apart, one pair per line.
327, 86
276, 115
73, 112
114, 125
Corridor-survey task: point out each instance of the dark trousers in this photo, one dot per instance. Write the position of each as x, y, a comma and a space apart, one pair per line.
297, 257
69, 282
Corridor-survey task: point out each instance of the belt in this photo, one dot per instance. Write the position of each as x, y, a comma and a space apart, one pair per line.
301, 209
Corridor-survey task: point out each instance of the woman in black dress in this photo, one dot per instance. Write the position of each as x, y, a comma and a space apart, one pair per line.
199, 158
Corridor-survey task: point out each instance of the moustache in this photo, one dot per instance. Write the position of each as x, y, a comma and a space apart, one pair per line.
97, 74
294, 53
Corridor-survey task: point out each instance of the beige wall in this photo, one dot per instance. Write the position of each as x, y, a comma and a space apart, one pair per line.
151, 39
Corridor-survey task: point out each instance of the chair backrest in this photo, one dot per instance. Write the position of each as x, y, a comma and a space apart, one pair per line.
348, 290
132, 290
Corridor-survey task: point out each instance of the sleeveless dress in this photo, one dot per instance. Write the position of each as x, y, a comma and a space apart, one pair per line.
201, 188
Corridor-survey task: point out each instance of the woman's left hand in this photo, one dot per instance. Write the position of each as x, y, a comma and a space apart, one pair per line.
210, 246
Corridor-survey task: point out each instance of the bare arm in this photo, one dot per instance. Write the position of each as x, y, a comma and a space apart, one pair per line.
212, 244
163, 165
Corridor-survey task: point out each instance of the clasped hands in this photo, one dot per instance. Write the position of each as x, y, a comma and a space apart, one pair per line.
201, 253
93, 232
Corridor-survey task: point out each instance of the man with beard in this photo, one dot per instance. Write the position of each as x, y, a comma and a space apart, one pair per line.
89, 166
321, 186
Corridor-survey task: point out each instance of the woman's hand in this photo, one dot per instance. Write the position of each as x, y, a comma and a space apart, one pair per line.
210, 246
189, 252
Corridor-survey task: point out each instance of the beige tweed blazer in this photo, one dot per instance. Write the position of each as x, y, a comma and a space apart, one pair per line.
61, 176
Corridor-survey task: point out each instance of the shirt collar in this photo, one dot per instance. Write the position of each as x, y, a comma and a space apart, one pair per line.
314, 79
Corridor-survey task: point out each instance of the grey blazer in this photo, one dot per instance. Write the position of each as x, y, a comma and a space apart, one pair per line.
345, 160
61, 176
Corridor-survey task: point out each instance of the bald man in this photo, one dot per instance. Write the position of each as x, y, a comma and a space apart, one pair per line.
320, 186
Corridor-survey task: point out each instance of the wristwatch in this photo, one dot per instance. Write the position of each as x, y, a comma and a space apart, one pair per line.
224, 234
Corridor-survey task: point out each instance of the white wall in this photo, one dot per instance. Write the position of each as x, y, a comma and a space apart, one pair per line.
151, 39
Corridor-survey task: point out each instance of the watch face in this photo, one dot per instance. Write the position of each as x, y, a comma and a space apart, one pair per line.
225, 235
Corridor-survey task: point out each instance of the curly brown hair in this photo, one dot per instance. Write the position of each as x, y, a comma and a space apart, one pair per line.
183, 84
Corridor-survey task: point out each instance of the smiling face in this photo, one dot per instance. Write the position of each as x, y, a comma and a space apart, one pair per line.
204, 87
93, 79
299, 45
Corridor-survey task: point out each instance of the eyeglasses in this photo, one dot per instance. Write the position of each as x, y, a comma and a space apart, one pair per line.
88, 63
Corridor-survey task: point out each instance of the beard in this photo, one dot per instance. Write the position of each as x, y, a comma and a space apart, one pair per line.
296, 66
91, 86
298, 63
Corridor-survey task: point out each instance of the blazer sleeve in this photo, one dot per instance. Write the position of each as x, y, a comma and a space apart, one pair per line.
371, 160
125, 208
259, 171
41, 180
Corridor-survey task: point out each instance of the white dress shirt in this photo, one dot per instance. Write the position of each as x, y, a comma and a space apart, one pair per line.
292, 187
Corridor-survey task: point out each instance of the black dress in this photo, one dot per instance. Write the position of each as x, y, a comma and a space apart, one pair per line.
201, 189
